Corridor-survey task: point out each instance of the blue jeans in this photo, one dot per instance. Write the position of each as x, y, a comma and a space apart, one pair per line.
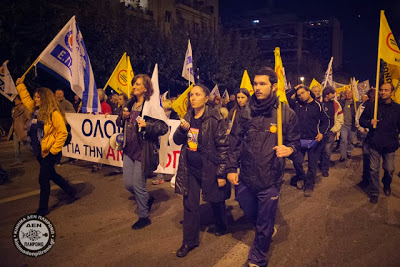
135, 182
375, 164
346, 140
313, 157
261, 208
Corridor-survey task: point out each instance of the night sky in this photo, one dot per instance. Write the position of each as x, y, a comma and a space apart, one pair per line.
359, 22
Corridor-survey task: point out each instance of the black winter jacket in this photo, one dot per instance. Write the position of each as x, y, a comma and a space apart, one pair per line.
385, 137
256, 133
214, 146
148, 140
312, 119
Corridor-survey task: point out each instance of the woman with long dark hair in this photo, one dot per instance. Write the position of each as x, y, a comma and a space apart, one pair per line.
202, 134
46, 134
141, 146
242, 99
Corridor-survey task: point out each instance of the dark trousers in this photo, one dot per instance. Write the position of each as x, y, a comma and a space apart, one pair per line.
326, 152
313, 157
191, 213
47, 173
261, 208
375, 164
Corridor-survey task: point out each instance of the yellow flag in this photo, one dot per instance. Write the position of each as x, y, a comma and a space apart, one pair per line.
388, 49
180, 105
246, 83
391, 74
122, 76
342, 89
280, 91
314, 82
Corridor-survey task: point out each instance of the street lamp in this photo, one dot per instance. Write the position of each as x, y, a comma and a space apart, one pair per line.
302, 79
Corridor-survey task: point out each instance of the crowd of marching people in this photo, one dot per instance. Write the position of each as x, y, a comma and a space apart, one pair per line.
224, 144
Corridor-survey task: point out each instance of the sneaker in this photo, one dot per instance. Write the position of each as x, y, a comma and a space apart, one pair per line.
157, 181
300, 184
141, 223
373, 199
308, 192
349, 156
325, 174
342, 159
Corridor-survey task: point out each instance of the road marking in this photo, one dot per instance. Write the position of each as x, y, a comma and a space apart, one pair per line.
237, 254
32, 193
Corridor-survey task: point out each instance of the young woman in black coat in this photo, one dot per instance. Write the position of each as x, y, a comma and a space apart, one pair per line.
202, 134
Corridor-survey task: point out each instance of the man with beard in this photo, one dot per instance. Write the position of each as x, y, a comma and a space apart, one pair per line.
314, 125
382, 140
262, 161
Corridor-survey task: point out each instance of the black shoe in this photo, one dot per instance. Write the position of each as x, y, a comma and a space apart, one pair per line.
220, 232
150, 202
72, 196
42, 212
342, 159
141, 223
184, 250
349, 156
387, 190
325, 174
373, 199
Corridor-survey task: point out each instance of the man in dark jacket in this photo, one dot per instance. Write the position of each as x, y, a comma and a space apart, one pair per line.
314, 125
262, 161
382, 140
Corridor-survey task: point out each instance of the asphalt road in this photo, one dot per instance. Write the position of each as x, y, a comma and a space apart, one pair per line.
337, 226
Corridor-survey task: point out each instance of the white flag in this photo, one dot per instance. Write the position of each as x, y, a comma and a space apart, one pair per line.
187, 71
7, 86
225, 96
67, 59
328, 75
215, 92
153, 109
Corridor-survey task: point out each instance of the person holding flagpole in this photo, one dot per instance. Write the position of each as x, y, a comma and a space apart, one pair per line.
47, 134
141, 146
262, 160
382, 139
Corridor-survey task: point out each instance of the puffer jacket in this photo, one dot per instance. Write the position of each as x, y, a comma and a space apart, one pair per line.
148, 140
55, 131
214, 144
260, 168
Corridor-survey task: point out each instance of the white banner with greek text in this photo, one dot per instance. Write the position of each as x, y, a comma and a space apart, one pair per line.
91, 141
